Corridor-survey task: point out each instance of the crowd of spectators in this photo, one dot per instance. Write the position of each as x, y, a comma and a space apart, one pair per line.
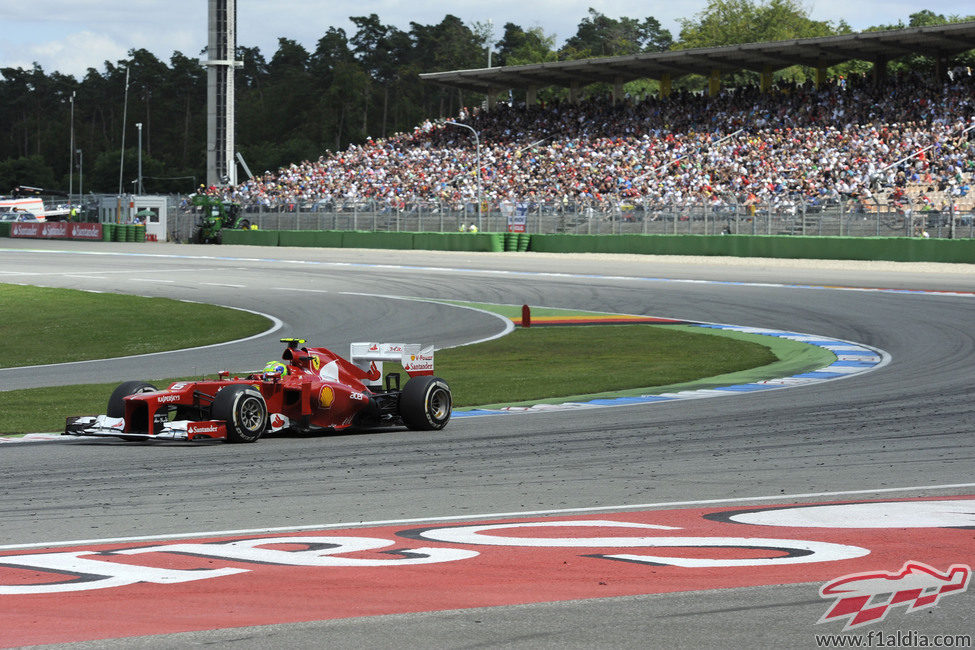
796, 143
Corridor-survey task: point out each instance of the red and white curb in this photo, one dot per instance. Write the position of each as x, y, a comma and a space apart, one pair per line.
73, 592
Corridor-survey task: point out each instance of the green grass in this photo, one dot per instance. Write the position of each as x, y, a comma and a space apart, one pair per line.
528, 364
542, 362
41, 325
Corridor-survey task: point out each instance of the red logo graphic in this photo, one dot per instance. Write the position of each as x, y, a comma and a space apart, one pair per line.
277, 422
373, 348
916, 585
374, 373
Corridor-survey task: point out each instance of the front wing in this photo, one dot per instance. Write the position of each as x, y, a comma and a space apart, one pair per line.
104, 426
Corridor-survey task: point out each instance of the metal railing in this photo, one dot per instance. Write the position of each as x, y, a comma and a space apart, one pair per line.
844, 217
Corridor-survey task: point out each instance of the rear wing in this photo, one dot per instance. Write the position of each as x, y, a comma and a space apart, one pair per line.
368, 357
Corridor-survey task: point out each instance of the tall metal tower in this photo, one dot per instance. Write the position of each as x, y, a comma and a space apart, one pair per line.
221, 53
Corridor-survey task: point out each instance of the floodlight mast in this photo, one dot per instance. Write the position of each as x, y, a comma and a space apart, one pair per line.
477, 143
221, 63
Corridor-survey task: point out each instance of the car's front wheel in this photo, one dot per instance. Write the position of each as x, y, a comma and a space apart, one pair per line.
244, 411
116, 403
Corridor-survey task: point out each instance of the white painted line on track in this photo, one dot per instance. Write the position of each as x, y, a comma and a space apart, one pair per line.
491, 515
303, 290
509, 325
220, 284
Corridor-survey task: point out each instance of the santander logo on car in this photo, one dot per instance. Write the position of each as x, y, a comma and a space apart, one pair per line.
202, 428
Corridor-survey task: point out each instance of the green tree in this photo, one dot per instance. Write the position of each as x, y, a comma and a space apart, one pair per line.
103, 172
449, 45
599, 35
29, 170
378, 48
519, 47
919, 63
729, 22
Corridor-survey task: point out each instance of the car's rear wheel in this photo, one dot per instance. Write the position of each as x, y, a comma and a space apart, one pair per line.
116, 403
425, 403
244, 411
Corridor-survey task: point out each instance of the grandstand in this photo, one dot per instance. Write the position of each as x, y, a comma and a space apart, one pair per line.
849, 156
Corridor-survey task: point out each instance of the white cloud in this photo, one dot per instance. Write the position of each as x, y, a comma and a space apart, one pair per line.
76, 53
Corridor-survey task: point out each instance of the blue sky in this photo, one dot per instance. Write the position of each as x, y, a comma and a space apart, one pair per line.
70, 36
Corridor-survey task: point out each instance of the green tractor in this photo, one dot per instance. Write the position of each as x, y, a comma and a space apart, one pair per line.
216, 215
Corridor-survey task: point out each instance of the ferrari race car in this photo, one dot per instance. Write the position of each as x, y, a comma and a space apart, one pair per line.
314, 389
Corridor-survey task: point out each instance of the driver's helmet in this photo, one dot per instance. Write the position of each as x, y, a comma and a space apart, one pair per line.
276, 367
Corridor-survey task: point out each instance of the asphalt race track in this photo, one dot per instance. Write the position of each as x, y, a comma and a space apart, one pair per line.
903, 431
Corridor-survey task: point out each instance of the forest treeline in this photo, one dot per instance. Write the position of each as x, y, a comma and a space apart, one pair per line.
299, 103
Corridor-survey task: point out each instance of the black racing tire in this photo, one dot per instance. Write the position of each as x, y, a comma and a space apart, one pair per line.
116, 407
244, 410
425, 403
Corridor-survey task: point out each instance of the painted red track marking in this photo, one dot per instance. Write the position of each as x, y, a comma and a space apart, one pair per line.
497, 575
609, 319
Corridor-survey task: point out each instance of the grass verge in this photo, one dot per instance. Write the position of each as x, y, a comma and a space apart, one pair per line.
525, 365
545, 362
74, 325
528, 365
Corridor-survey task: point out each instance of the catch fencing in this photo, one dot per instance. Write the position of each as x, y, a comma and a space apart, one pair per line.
844, 218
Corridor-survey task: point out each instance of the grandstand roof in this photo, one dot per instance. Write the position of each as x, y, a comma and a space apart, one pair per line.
936, 41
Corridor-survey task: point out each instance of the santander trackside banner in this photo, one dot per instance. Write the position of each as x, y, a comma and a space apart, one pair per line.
56, 230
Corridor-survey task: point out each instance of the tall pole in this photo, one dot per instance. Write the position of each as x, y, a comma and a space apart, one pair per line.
125, 115
490, 38
81, 177
138, 186
71, 158
221, 62
477, 142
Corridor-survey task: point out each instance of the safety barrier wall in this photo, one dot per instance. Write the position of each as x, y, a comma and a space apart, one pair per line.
849, 248
786, 246
473, 242
852, 248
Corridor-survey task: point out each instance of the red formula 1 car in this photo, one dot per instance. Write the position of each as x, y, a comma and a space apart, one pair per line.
314, 389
